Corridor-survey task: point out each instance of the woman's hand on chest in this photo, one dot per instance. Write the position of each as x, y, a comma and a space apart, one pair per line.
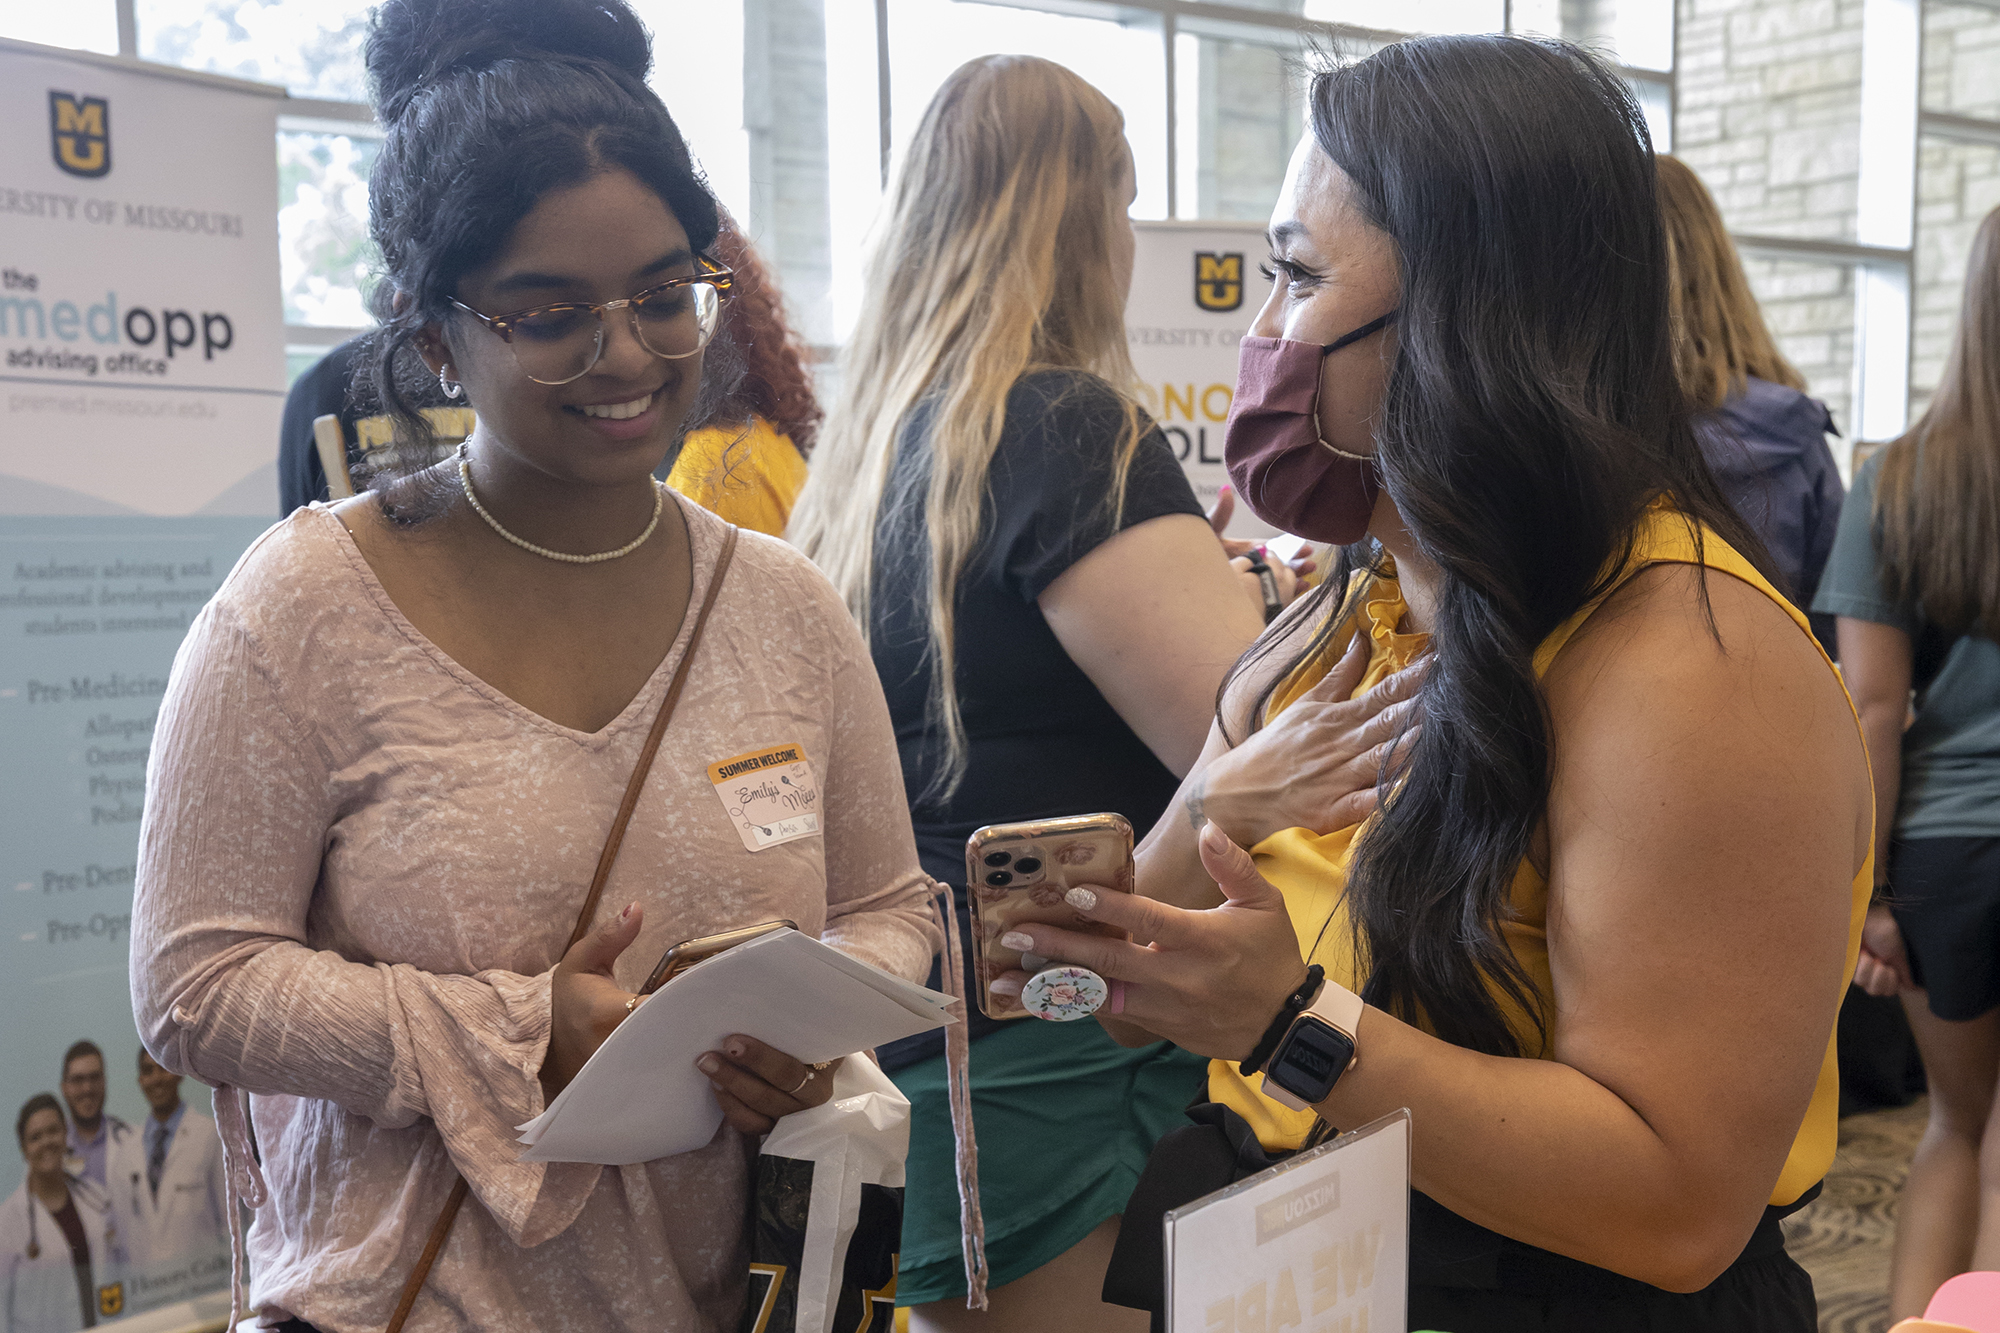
1316, 764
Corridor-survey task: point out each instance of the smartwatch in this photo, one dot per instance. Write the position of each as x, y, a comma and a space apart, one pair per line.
1316, 1050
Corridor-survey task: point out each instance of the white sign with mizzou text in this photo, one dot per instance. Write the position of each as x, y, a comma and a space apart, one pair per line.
142, 359
1195, 289
1320, 1243
142, 377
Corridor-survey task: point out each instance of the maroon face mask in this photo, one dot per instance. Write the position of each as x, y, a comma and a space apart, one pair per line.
1288, 475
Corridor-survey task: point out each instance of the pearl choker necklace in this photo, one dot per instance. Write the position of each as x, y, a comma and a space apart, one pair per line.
465, 483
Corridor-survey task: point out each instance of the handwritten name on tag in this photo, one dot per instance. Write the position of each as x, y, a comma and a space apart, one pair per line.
770, 795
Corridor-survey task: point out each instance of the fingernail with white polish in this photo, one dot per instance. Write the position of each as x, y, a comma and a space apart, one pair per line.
708, 1064
1014, 939
1083, 900
1006, 986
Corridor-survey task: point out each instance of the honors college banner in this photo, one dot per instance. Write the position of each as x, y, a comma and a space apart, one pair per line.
1195, 289
141, 380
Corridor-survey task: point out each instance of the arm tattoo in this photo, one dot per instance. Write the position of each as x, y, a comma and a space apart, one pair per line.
1192, 801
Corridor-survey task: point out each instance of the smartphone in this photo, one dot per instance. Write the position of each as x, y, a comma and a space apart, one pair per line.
689, 952
1017, 873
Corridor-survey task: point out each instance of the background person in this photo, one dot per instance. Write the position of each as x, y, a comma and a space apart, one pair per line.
1764, 438
1916, 585
1050, 615
1614, 1109
748, 462
94, 1135
173, 1184
61, 1253
395, 739
336, 385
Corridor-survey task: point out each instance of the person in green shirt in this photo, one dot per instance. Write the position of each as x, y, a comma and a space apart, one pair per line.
1915, 581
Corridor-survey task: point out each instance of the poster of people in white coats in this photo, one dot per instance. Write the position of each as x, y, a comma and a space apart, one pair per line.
113, 1218
64, 1259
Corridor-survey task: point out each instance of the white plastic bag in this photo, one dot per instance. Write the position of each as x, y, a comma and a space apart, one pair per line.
828, 1211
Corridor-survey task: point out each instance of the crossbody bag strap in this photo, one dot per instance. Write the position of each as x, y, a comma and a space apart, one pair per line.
421, 1270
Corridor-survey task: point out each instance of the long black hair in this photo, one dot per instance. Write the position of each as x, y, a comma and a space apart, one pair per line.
488, 105
1531, 416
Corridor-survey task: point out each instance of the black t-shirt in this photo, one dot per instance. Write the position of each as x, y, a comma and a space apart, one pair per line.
1043, 742
329, 388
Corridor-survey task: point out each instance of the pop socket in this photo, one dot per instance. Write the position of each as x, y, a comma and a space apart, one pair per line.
1064, 994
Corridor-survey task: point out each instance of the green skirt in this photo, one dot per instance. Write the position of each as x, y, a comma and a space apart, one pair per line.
1065, 1118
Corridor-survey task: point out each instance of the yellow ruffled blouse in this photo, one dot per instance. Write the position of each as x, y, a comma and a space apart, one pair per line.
1311, 869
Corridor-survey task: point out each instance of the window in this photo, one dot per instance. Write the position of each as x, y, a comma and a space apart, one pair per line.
1856, 244
85, 25
1958, 175
312, 47
1810, 308
928, 39
1239, 104
325, 256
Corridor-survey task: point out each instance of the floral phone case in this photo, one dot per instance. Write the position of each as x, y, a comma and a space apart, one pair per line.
1019, 873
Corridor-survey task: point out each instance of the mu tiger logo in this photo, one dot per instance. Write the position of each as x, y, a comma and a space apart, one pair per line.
80, 133
111, 1300
1218, 281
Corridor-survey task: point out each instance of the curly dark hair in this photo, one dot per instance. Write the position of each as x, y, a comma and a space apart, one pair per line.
775, 383
487, 106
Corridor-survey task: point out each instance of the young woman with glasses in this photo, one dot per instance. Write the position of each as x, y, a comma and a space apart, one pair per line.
394, 742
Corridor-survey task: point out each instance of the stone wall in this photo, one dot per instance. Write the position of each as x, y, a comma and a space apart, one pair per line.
1958, 182
1769, 112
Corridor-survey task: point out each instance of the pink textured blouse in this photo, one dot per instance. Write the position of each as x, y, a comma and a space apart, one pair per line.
359, 865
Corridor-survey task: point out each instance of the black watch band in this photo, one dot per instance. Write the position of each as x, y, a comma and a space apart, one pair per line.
1295, 1004
1274, 605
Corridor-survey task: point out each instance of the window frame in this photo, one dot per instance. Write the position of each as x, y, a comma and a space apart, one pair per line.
1894, 123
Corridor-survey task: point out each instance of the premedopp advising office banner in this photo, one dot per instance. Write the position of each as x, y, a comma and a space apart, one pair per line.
141, 382
1195, 289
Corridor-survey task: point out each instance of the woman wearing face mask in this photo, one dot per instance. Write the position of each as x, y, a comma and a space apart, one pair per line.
1596, 933
1050, 615
396, 740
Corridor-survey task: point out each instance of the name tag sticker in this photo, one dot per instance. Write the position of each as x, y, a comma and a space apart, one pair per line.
770, 795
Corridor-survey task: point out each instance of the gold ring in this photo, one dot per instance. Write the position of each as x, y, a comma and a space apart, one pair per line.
811, 1074
633, 1003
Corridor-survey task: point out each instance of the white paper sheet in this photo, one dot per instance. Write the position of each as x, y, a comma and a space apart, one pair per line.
640, 1097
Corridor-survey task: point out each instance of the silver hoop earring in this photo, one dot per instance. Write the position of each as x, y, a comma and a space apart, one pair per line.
452, 388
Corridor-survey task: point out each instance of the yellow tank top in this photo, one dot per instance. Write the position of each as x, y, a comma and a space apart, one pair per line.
1311, 869
752, 484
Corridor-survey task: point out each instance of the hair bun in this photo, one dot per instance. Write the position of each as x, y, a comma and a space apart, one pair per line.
415, 42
